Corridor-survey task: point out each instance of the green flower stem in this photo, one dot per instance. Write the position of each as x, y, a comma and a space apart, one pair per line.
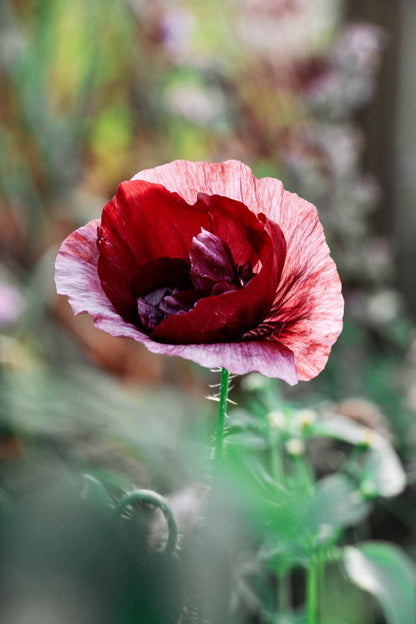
305, 473
219, 438
312, 593
276, 462
283, 602
321, 579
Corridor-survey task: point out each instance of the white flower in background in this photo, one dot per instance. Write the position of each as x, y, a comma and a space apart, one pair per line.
202, 105
11, 305
285, 31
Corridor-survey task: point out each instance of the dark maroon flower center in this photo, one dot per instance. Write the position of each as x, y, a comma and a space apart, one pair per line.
183, 274
168, 286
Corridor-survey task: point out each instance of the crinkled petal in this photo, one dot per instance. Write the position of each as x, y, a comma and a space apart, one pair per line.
308, 300
229, 179
76, 272
268, 358
152, 221
142, 222
211, 261
234, 224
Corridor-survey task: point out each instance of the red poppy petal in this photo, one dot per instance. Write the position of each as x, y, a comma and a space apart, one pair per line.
268, 358
116, 269
76, 273
308, 301
152, 222
234, 224
142, 222
229, 179
230, 315
76, 276
211, 261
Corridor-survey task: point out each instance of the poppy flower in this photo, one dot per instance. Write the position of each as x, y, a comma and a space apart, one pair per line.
206, 262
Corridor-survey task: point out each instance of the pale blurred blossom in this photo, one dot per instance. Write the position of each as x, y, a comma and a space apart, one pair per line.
170, 23
201, 105
305, 417
372, 259
358, 48
11, 305
341, 146
325, 165
276, 419
176, 29
380, 261
384, 307
295, 446
348, 80
285, 31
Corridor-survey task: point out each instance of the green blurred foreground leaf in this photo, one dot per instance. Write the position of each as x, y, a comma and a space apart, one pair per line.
382, 473
386, 573
335, 505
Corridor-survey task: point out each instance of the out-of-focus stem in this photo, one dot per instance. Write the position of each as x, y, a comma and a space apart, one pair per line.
312, 593
276, 463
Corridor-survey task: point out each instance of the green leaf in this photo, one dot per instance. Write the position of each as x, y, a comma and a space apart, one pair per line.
339, 428
382, 474
385, 572
245, 438
304, 523
95, 492
336, 504
246, 431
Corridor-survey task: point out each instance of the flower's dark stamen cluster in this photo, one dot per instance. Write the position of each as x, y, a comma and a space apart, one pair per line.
150, 309
210, 271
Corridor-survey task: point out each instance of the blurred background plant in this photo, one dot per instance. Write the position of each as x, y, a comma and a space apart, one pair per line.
316, 92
